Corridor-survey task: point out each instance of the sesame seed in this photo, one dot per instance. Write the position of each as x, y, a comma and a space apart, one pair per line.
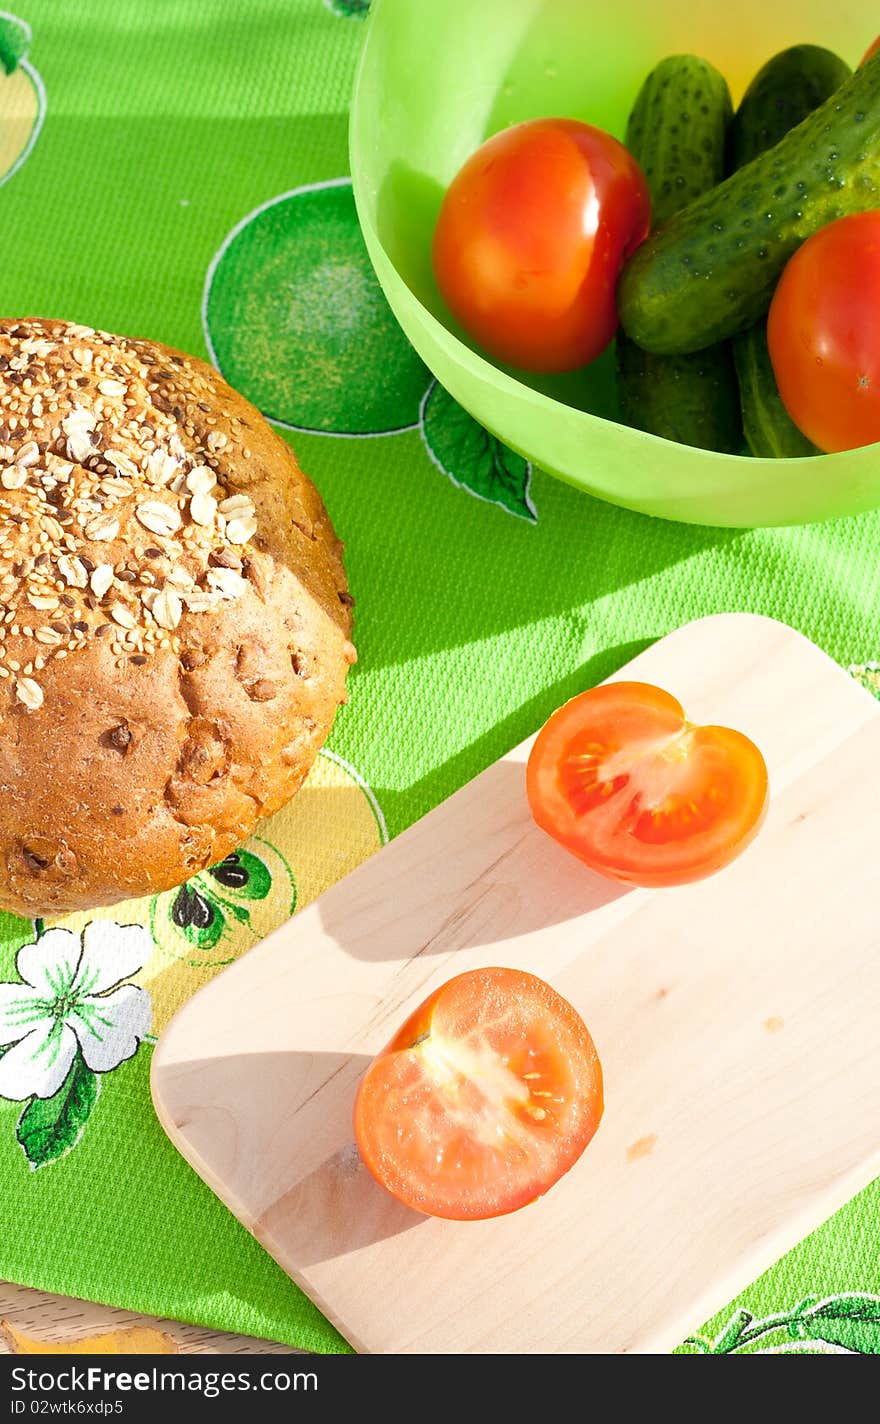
76, 443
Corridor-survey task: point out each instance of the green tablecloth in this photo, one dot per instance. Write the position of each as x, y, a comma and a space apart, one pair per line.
178, 169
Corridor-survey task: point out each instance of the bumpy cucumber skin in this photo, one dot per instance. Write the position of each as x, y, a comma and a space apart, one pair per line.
690, 399
789, 88
677, 131
710, 273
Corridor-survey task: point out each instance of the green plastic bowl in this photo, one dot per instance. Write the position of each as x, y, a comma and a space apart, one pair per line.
438, 77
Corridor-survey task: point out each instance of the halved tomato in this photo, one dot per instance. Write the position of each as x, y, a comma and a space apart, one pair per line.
624, 781
489, 1092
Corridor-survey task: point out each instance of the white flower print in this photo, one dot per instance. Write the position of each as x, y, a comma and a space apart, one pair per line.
72, 997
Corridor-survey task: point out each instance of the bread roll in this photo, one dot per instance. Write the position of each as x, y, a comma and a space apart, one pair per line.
175, 621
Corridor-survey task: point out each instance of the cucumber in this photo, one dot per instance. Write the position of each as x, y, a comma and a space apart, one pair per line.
710, 273
780, 97
769, 429
677, 131
690, 399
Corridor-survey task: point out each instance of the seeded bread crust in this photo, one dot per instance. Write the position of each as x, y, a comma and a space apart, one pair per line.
175, 620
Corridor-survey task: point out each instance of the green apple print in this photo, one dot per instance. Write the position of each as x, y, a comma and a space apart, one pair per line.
472, 458
22, 96
845, 1324
348, 9
14, 39
202, 914
49, 1127
295, 318
868, 676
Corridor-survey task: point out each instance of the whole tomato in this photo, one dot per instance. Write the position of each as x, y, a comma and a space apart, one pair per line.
531, 238
824, 334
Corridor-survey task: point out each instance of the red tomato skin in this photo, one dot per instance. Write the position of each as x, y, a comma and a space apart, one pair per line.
510, 1196
532, 235
871, 52
824, 335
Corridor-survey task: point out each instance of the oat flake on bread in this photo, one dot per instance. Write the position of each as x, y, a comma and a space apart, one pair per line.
175, 621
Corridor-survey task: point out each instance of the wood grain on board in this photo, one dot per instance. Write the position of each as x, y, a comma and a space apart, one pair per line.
59, 1323
736, 1021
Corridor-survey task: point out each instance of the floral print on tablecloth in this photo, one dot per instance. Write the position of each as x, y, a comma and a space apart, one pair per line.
91, 988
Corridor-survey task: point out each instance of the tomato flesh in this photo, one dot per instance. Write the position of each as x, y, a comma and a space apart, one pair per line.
824, 334
625, 782
531, 238
482, 1100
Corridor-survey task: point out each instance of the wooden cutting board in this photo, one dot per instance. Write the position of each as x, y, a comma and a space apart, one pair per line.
736, 1020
